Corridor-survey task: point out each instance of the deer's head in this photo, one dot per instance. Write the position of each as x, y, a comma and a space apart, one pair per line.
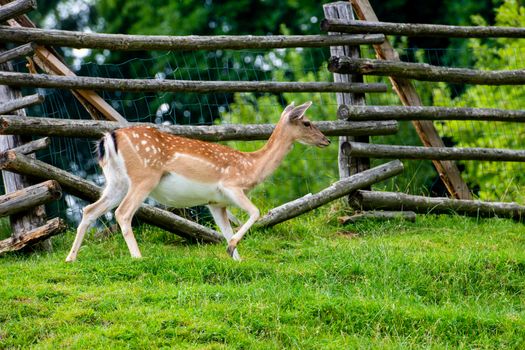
300, 128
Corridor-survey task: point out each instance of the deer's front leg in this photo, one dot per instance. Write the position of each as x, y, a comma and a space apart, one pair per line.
238, 197
220, 215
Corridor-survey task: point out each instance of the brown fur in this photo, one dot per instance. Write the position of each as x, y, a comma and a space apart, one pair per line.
144, 147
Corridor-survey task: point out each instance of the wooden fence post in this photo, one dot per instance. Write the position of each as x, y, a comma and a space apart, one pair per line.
347, 164
36, 217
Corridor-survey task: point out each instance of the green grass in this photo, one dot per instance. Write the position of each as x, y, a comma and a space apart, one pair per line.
442, 282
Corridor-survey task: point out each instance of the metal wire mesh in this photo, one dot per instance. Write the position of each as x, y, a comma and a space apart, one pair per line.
306, 169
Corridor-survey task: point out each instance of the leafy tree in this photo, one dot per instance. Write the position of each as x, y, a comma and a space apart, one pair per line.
497, 181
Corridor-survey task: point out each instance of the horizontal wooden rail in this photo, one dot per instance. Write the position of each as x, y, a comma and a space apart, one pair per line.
29, 197
16, 8
421, 30
369, 150
367, 113
157, 85
86, 190
337, 190
425, 72
50, 228
16, 125
32, 146
53, 37
373, 200
20, 103
22, 50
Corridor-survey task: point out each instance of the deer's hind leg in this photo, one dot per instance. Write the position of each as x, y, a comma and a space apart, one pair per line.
111, 197
137, 193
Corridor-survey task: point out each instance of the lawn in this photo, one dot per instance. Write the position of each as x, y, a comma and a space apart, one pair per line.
441, 282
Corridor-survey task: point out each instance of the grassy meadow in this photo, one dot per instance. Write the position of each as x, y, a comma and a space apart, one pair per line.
441, 282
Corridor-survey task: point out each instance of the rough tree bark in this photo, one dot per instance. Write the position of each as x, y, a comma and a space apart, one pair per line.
156, 85
367, 113
371, 200
53, 37
418, 30
94, 129
436, 153
425, 72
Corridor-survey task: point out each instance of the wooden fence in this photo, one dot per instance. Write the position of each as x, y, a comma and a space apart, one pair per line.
356, 122
57, 75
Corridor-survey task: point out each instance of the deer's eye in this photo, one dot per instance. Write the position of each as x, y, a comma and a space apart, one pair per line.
307, 124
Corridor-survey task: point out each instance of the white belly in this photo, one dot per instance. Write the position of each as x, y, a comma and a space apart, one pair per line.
177, 191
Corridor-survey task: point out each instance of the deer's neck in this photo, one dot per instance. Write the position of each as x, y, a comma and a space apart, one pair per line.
268, 158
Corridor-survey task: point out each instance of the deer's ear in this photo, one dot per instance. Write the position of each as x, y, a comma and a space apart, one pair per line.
289, 108
298, 112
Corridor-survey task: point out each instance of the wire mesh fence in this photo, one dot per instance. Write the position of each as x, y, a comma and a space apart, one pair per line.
306, 169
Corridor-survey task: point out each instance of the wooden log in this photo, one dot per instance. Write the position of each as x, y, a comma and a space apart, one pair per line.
16, 8
32, 146
420, 30
156, 85
447, 170
378, 215
373, 200
51, 228
336, 190
94, 129
435, 153
425, 72
347, 164
29, 197
53, 37
19, 103
86, 190
19, 51
367, 113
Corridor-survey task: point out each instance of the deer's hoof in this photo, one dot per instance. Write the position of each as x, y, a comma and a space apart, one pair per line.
230, 250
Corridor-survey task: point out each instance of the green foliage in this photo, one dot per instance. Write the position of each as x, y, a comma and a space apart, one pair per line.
496, 181
442, 282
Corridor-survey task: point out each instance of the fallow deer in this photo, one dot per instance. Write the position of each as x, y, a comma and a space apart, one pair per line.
141, 161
